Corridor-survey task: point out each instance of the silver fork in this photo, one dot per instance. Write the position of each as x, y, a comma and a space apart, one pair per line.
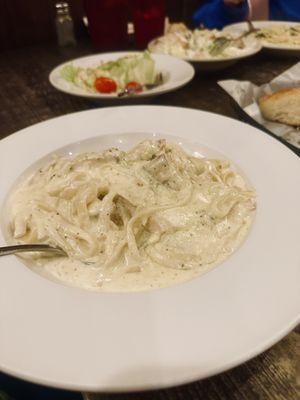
222, 45
251, 26
251, 29
23, 248
131, 92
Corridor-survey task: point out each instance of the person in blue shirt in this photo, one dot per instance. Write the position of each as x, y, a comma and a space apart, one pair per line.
218, 13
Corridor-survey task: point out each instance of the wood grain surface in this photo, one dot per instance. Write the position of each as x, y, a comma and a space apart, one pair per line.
26, 97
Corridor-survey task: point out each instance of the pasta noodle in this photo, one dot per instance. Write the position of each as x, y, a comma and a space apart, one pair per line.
118, 214
280, 34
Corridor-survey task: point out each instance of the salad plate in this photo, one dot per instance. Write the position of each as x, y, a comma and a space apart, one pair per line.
109, 75
68, 337
277, 37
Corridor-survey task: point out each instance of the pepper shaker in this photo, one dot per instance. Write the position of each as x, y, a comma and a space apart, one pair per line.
64, 25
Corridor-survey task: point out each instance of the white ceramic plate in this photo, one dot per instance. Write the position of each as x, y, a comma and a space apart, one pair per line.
176, 73
216, 64
279, 49
71, 338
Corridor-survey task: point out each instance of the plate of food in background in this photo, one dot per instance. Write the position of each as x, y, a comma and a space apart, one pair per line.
208, 50
277, 37
121, 75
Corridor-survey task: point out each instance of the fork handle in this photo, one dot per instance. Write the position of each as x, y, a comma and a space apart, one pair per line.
21, 248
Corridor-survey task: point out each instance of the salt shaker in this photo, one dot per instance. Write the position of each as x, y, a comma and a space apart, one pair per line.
64, 25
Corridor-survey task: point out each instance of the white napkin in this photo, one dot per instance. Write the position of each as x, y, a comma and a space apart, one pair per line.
246, 94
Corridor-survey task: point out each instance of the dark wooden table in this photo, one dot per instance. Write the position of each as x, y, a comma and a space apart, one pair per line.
26, 98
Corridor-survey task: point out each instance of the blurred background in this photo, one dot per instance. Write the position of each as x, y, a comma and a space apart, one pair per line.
30, 22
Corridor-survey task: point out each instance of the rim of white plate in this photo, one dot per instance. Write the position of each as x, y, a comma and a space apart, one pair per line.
177, 73
69, 338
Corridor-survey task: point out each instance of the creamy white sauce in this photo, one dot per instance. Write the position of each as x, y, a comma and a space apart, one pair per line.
149, 218
280, 35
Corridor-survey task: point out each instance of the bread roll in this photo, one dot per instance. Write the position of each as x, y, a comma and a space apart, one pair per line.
282, 106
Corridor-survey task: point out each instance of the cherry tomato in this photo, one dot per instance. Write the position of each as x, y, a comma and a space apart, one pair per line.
134, 87
105, 85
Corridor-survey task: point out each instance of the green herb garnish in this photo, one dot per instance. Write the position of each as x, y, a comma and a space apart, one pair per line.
218, 46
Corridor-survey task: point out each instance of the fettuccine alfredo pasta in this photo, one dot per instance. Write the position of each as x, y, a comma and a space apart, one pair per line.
148, 217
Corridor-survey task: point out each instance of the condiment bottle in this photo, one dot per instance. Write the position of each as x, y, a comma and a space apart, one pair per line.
64, 25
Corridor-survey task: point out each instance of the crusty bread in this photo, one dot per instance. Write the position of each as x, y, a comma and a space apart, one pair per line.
282, 106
